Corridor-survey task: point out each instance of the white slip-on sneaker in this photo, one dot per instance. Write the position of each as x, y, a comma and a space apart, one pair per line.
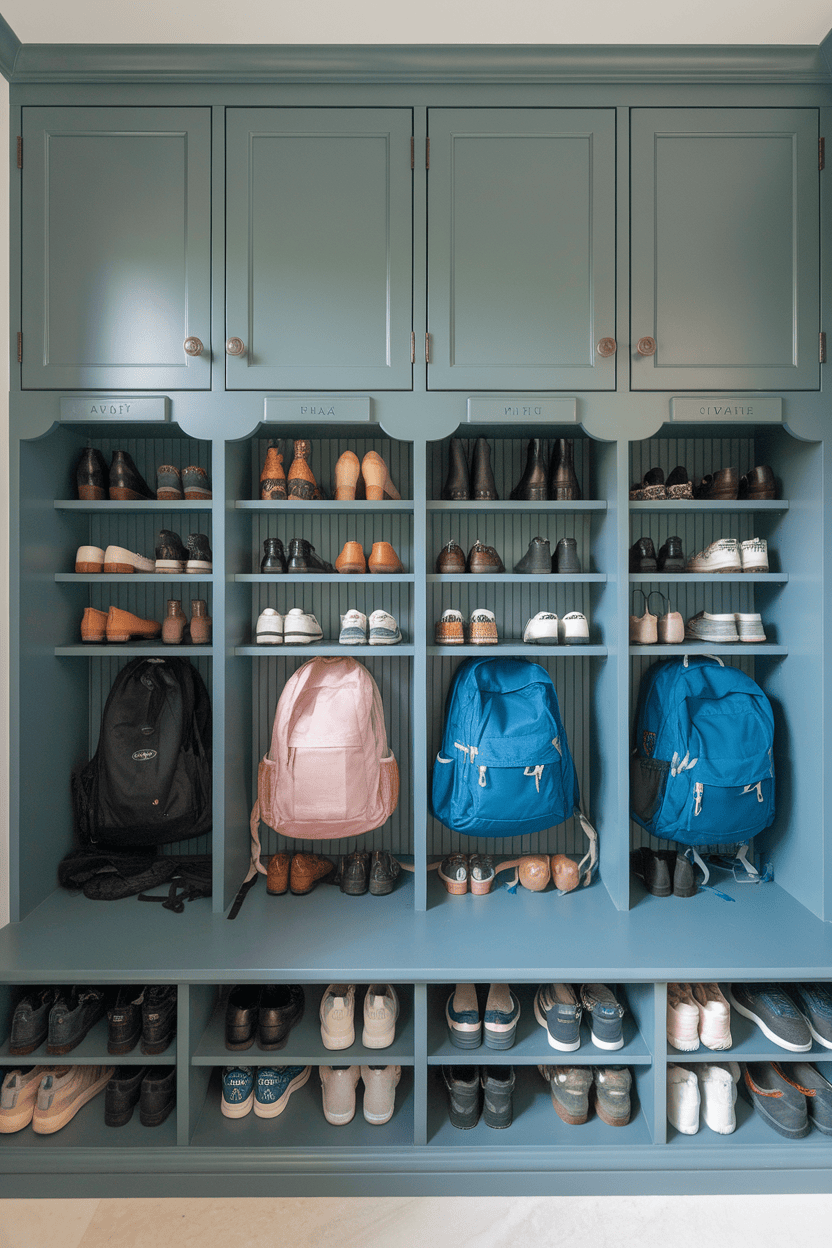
683, 1100
682, 1018
89, 559
353, 629
718, 1091
714, 1016
721, 556
380, 1092
300, 628
269, 630
754, 555
381, 1009
542, 629
384, 629
118, 559
574, 629
749, 626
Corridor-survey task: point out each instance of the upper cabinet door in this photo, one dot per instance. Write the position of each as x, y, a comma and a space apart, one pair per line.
116, 248
725, 248
521, 248
319, 248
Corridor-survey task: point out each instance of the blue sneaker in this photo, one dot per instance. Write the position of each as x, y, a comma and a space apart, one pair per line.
774, 1013
557, 1010
237, 1091
275, 1084
814, 1002
605, 1015
462, 1014
502, 1010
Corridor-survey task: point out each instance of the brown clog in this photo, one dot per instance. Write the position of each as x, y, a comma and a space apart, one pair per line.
347, 472
123, 626
273, 476
306, 871
383, 558
377, 478
302, 484
351, 559
93, 625
277, 877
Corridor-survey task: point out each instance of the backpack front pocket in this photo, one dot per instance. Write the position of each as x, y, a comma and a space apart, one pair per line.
326, 784
648, 781
510, 801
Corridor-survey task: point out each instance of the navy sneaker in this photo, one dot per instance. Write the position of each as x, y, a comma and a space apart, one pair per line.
605, 1015
237, 1091
780, 1104
817, 1090
814, 1003
557, 1009
502, 1010
462, 1014
774, 1013
275, 1084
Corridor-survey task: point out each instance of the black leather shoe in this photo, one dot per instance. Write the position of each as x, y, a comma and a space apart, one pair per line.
355, 873
537, 560
281, 1009
121, 1095
384, 870
200, 556
30, 1021
124, 1021
70, 1020
126, 482
171, 555
565, 559
457, 487
302, 557
91, 478
671, 556
158, 1095
533, 485
656, 868
563, 483
483, 486
241, 1017
643, 556
451, 558
158, 1018
274, 556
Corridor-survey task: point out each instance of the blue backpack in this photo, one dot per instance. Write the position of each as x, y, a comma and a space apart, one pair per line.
504, 768
702, 771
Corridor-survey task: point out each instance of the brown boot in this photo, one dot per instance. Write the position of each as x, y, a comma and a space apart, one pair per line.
277, 879
273, 476
351, 558
347, 472
306, 870
302, 484
200, 622
383, 558
174, 623
123, 626
376, 478
93, 625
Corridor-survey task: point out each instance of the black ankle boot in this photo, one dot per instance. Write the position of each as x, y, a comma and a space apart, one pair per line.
671, 556
643, 555
457, 487
483, 486
532, 486
91, 476
126, 482
274, 556
563, 484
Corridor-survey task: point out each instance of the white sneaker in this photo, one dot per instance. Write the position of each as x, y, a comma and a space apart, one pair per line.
353, 629
714, 1016
338, 1085
574, 629
721, 556
718, 1091
118, 559
269, 629
381, 1009
682, 1018
300, 627
384, 630
542, 629
754, 554
337, 1016
380, 1092
749, 626
683, 1100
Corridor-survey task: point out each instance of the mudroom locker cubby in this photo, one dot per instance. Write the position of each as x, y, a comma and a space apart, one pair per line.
380, 253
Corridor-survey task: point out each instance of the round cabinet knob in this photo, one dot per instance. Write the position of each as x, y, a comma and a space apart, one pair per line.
646, 346
607, 346
235, 346
193, 346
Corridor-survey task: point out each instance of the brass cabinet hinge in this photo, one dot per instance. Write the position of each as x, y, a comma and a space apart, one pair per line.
19, 347
822, 350
427, 152
821, 153
427, 348
412, 142
413, 348
20, 151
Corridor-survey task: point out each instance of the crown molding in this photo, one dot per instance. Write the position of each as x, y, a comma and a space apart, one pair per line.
411, 63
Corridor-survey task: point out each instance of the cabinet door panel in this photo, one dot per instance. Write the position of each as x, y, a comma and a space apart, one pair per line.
116, 247
319, 248
725, 248
521, 282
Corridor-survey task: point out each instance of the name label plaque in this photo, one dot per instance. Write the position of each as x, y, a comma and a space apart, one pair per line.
753, 411
548, 411
325, 409
100, 407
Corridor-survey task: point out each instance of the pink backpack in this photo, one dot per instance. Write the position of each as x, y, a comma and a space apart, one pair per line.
329, 773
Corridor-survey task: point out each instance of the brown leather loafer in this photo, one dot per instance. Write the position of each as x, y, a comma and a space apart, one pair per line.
450, 559
306, 871
93, 625
383, 558
241, 1013
720, 485
759, 483
351, 559
123, 625
277, 878
484, 559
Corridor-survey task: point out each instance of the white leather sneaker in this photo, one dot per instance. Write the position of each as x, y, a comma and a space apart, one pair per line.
682, 1018
353, 629
754, 554
384, 629
381, 1009
269, 630
337, 1015
338, 1085
718, 1091
380, 1092
714, 1016
683, 1100
721, 556
574, 629
542, 629
300, 628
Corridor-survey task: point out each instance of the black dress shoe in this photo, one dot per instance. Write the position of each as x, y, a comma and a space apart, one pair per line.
71, 1019
124, 1022
158, 1095
121, 1096
451, 558
281, 1008
171, 555
533, 485
274, 556
565, 559
302, 557
671, 556
158, 1018
563, 483
241, 1017
537, 560
91, 477
483, 486
384, 870
354, 875
457, 487
30, 1021
643, 556
126, 482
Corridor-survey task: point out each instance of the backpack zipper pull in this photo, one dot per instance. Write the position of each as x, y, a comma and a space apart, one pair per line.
482, 777
750, 788
699, 790
537, 772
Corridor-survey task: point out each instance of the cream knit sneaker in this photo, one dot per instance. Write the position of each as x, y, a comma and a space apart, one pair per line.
18, 1095
337, 1014
380, 1092
682, 1018
718, 1089
714, 1016
64, 1091
338, 1090
683, 1099
381, 1009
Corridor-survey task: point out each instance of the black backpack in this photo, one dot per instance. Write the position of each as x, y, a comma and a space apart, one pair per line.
149, 781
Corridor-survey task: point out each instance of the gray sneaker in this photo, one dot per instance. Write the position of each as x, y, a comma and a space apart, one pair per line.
569, 1086
612, 1094
381, 1009
497, 1087
556, 1008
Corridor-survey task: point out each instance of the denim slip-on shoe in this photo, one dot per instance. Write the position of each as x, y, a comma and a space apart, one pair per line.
380, 1084
157, 1097
565, 560
714, 1016
558, 1011
683, 1099
280, 1009
274, 556
814, 1003
384, 629
384, 871
18, 1094
718, 1090
353, 628
237, 1091
537, 560
462, 1014
457, 487
269, 628
274, 1086
158, 1017
241, 1013
722, 556
502, 1013
338, 1084
381, 1009
126, 483
121, 1096
612, 1094
541, 629
605, 1014
464, 1095
60, 1096
533, 485
780, 1104
749, 626
569, 1087
196, 484
300, 628
775, 1014
682, 1024
497, 1087
70, 1019
200, 556
704, 626
816, 1088
30, 1020
337, 1014
124, 1021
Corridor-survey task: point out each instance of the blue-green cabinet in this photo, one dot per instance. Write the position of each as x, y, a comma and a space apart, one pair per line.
319, 248
116, 248
725, 273
521, 249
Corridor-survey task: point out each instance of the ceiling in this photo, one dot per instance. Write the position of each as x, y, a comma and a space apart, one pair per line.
424, 22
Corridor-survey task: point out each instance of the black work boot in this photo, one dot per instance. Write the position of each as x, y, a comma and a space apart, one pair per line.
483, 486
384, 870
463, 1084
126, 482
457, 487
30, 1021
158, 1017
671, 556
158, 1095
274, 556
124, 1022
497, 1086
563, 484
656, 867
537, 560
91, 477
643, 556
532, 486
303, 558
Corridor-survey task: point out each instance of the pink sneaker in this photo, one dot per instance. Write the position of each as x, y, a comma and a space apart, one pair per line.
714, 1016
682, 1018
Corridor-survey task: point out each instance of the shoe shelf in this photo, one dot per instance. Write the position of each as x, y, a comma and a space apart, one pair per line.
324, 578
749, 1044
149, 504
713, 578
518, 647
136, 578
737, 505
753, 1133
92, 1051
399, 651
487, 506
390, 507
738, 649
518, 578
88, 1130
132, 651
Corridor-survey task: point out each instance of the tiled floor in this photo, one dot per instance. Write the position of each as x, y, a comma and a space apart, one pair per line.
499, 1222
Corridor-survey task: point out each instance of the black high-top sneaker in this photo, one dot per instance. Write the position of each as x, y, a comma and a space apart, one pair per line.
497, 1087
91, 476
274, 556
171, 555
126, 482
158, 1017
200, 555
124, 1021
